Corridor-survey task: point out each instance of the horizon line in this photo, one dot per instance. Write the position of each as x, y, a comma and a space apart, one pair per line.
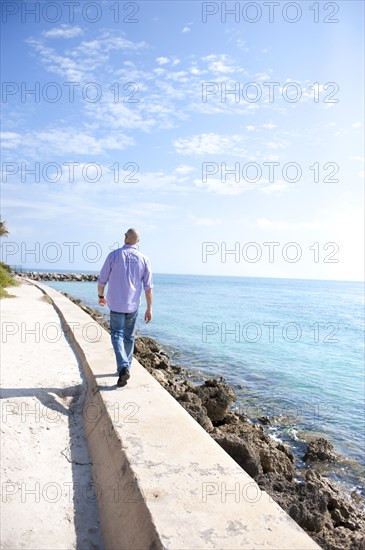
80, 271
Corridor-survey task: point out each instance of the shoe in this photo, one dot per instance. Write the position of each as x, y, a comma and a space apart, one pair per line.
123, 377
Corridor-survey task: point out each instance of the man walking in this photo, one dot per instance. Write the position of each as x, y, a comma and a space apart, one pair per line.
125, 270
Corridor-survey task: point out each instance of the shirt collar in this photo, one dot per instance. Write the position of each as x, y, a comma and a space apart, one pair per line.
130, 246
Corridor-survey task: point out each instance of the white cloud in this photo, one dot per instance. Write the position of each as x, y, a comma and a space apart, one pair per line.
159, 71
277, 144
80, 64
178, 76
186, 29
219, 63
10, 140
184, 169
63, 141
262, 76
250, 128
195, 71
357, 125
210, 144
162, 60
64, 31
220, 67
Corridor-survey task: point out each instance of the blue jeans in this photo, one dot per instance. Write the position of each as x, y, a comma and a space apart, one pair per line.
122, 334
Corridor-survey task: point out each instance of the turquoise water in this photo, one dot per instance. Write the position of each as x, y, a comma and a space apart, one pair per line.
293, 348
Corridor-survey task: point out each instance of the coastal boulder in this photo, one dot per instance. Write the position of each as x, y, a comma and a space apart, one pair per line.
272, 456
150, 354
243, 452
193, 405
320, 449
216, 397
275, 460
318, 507
199, 414
144, 344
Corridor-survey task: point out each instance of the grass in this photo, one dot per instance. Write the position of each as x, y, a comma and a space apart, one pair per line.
6, 280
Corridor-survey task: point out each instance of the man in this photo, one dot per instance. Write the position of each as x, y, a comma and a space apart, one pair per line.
125, 270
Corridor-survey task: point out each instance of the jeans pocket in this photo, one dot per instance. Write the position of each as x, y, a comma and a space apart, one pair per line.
115, 321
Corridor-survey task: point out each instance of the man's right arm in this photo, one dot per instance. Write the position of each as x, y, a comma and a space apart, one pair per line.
103, 279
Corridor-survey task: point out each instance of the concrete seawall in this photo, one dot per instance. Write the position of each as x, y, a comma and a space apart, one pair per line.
161, 480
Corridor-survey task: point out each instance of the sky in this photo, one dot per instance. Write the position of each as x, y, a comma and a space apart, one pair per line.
229, 133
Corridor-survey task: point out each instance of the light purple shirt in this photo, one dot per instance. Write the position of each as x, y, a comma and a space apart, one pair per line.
125, 270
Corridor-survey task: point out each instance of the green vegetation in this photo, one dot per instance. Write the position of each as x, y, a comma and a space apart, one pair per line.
6, 278
6, 267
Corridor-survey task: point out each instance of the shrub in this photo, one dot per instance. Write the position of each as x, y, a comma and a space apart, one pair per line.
6, 280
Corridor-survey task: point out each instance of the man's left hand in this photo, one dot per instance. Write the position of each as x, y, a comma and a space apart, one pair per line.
148, 315
102, 302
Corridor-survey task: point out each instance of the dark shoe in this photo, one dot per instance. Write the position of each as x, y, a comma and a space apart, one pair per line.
123, 377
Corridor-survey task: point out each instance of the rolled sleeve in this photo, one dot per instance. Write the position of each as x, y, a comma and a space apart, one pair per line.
147, 276
105, 271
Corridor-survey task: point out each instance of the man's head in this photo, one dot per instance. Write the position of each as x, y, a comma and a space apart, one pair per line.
131, 236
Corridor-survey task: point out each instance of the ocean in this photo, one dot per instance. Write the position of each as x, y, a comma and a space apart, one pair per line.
293, 349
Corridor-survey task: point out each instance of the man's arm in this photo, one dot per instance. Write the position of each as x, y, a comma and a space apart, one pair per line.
103, 279
102, 300
147, 285
148, 314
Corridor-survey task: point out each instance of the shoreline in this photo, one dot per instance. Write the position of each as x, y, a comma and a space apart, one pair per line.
347, 470
57, 277
31, 273
332, 517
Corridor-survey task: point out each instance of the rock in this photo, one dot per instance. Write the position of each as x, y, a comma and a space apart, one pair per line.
216, 398
146, 344
190, 397
264, 420
273, 457
243, 452
319, 508
320, 449
231, 418
160, 376
46, 276
176, 368
147, 351
199, 413
277, 462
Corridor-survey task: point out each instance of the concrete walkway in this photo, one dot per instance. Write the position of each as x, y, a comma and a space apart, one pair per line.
47, 498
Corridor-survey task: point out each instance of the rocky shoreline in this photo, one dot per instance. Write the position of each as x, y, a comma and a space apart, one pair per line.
336, 521
48, 276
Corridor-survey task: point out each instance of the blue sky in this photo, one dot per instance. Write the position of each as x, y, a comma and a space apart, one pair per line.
170, 138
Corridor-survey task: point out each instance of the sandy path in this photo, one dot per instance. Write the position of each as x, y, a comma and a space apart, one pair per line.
47, 498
